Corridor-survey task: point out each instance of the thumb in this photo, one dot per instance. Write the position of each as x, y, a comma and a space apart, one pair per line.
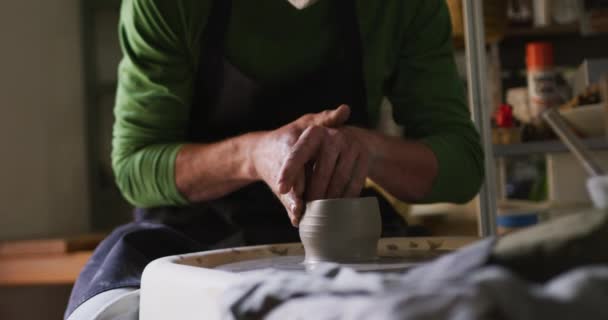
334, 118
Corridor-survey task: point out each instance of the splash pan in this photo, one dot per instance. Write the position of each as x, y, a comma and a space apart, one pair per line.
190, 286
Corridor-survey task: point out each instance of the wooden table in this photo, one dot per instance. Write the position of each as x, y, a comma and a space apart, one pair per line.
42, 269
46, 261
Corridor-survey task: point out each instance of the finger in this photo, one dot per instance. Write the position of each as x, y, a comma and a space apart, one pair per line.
298, 211
357, 182
342, 174
303, 151
323, 170
333, 118
294, 206
298, 190
300, 185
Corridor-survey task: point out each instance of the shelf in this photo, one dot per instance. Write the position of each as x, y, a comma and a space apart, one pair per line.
552, 30
541, 147
43, 269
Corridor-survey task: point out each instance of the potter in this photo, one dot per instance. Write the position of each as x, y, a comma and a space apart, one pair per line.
231, 115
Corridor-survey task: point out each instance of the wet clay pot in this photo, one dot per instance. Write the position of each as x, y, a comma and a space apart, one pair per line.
341, 230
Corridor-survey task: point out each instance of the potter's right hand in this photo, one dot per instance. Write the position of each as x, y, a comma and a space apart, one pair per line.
274, 147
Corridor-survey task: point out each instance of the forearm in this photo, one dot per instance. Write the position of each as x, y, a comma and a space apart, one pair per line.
208, 171
405, 169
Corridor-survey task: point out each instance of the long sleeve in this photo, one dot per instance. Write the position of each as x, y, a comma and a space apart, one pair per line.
155, 80
428, 100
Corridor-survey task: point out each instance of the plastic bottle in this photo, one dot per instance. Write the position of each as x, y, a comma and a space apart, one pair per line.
542, 13
542, 78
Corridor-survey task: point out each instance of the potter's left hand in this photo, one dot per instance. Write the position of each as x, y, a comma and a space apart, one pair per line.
340, 159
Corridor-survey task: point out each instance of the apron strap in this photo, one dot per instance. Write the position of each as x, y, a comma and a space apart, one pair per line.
210, 65
349, 29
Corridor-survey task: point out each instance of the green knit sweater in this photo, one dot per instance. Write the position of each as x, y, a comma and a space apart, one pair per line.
408, 58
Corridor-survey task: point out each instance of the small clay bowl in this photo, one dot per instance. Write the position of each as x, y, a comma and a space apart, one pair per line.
341, 230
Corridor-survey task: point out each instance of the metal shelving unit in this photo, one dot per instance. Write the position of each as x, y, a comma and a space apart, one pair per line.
544, 147
554, 30
474, 34
570, 43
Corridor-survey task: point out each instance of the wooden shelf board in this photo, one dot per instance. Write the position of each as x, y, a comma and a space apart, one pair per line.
553, 30
12, 249
50, 269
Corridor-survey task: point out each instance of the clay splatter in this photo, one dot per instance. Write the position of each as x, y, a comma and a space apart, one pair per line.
279, 252
434, 245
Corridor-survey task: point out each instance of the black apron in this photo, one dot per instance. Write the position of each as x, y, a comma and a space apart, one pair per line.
228, 103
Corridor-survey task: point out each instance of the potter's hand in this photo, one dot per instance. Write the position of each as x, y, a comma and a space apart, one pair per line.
341, 163
275, 148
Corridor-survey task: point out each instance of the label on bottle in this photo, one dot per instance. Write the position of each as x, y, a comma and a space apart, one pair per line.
543, 91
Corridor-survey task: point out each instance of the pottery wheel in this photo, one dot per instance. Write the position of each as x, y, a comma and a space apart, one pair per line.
296, 263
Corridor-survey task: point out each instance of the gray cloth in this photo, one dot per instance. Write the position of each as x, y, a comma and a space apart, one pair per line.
549, 249
461, 285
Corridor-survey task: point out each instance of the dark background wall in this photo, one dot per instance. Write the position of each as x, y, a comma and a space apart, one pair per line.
33, 303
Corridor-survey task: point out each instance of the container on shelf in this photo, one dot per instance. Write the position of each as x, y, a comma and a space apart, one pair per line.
566, 11
518, 99
542, 79
506, 135
519, 13
588, 73
514, 215
587, 121
542, 12
505, 131
510, 223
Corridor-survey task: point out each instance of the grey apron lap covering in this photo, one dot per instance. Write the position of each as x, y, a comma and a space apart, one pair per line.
228, 103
